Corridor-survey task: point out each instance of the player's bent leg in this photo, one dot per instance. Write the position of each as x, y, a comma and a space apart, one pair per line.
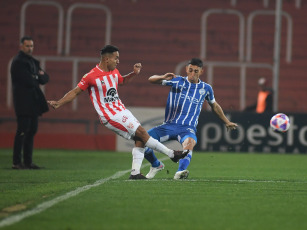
174, 155
182, 172
184, 163
149, 153
156, 145
151, 157
137, 159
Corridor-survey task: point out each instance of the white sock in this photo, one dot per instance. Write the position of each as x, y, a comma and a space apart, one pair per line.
156, 145
137, 159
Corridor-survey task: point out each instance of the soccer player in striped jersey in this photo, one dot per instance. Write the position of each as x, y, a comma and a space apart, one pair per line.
184, 103
102, 85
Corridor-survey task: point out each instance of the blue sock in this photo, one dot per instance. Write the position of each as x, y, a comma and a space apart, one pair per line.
184, 163
150, 156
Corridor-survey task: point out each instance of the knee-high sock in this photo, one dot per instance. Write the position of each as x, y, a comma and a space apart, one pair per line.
151, 157
184, 163
156, 145
137, 159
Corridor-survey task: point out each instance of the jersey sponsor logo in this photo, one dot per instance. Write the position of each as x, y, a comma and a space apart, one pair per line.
111, 95
202, 91
191, 99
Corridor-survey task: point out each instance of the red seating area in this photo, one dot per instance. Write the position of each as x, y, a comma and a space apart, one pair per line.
160, 34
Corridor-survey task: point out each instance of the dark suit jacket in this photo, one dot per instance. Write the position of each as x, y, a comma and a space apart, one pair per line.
28, 98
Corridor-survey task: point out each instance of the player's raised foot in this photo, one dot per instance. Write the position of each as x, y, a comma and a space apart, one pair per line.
154, 170
139, 176
181, 175
179, 155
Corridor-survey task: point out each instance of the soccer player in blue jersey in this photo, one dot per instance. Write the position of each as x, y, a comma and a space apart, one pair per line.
184, 103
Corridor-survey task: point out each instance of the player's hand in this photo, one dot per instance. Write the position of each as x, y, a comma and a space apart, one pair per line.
168, 76
54, 104
231, 126
137, 68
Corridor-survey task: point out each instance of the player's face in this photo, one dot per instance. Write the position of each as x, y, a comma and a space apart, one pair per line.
193, 73
27, 47
113, 60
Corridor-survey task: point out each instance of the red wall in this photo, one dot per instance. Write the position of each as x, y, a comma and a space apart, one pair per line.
160, 34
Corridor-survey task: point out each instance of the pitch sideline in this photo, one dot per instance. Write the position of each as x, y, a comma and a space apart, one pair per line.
48, 204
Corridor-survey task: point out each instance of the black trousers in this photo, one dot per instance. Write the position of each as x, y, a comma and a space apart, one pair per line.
24, 138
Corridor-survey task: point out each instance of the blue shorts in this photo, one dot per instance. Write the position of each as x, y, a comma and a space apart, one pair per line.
167, 131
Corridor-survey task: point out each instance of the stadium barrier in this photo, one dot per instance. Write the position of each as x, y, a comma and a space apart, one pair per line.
254, 134
61, 134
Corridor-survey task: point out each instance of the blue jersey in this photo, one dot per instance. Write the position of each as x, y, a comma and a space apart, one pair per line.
185, 100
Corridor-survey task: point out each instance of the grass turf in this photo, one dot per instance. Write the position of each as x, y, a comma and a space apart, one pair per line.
224, 191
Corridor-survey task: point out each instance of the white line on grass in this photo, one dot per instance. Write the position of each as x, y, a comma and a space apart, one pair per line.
48, 204
254, 181
43, 206
230, 180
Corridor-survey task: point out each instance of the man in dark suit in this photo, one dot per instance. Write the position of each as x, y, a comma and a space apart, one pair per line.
29, 102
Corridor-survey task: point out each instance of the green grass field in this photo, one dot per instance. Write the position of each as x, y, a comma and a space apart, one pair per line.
89, 190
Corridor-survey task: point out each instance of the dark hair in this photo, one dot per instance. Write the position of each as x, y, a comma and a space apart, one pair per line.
108, 49
197, 62
26, 38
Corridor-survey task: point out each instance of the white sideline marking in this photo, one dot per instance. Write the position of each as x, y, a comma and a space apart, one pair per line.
230, 180
252, 181
43, 206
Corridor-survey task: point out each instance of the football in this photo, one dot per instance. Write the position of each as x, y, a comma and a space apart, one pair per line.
280, 122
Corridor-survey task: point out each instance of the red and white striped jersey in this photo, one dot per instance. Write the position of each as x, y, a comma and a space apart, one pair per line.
102, 87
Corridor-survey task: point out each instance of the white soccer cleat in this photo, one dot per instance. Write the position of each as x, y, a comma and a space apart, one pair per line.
154, 170
181, 175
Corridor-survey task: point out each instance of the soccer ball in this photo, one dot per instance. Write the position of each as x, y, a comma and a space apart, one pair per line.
280, 122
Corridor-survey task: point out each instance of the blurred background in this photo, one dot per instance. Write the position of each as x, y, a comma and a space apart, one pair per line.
236, 39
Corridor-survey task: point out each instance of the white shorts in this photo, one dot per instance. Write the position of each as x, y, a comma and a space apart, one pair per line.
124, 124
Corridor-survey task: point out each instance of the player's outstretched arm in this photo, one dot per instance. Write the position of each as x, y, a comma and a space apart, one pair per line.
136, 70
217, 109
157, 79
68, 97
